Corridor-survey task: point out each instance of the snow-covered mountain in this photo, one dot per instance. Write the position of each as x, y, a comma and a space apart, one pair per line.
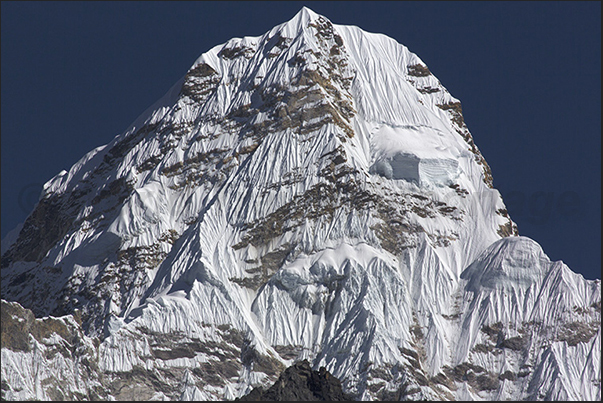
309, 194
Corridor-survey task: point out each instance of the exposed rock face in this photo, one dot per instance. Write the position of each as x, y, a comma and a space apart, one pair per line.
65, 360
300, 383
309, 194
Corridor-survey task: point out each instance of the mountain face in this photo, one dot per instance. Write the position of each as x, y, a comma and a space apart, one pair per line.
309, 194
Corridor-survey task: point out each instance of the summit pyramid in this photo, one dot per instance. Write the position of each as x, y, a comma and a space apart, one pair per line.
309, 194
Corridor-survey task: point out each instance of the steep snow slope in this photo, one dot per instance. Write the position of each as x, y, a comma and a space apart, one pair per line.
313, 193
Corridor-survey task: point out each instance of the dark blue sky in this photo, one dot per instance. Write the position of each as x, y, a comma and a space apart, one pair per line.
528, 74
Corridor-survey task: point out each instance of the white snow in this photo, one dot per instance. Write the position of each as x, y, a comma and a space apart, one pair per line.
337, 294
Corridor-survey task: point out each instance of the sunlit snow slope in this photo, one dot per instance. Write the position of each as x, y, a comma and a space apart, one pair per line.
313, 193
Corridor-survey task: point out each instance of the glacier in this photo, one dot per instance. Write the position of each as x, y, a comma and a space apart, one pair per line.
309, 194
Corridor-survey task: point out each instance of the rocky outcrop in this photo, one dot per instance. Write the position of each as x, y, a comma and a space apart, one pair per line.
66, 359
301, 383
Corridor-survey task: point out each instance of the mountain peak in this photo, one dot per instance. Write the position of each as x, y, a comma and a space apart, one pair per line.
309, 194
304, 17
305, 22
